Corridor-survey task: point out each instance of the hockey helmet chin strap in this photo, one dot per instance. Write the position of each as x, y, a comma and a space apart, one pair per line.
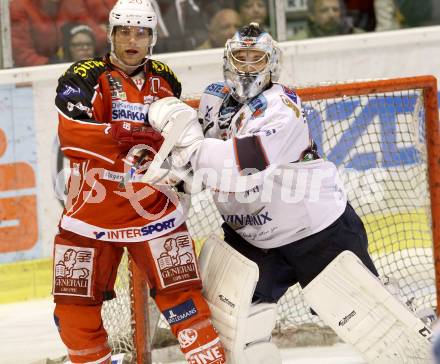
128, 66
145, 60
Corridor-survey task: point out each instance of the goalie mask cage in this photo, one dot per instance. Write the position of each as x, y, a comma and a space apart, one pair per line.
384, 138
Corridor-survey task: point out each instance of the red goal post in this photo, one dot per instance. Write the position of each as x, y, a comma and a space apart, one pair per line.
384, 131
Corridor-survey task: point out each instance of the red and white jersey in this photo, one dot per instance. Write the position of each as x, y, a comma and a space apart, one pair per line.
294, 192
92, 95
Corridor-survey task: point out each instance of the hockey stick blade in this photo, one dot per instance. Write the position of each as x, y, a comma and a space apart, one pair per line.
168, 144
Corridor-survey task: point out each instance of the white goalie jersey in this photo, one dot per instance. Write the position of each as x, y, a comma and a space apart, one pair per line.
292, 193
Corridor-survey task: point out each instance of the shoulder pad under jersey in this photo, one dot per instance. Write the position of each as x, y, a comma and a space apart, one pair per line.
161, 69
76, 88
84, 74
87, 69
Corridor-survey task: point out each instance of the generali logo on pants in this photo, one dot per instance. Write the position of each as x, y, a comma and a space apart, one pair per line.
175, 258
73, 270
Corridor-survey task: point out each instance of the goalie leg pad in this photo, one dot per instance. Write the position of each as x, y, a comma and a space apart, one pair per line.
229, 281
355, 304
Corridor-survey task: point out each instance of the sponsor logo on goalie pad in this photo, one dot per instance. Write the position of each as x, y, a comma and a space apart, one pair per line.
425, 332
73, 271
181, 312
175, 259
347, 318
226, 300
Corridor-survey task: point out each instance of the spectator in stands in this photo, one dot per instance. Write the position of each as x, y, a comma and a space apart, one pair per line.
436, 13
100, 10
326, 18
222, 26
374, 15
181, 25
78, 42
35, 28
253, 11
97, 11
387, 15
209, 8
416, 13
34, 31
1, 55
361, 13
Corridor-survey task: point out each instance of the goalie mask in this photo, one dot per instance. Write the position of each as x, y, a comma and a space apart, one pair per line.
251, 62
138, 14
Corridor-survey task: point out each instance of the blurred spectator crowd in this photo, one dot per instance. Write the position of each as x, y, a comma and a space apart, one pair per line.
52, 31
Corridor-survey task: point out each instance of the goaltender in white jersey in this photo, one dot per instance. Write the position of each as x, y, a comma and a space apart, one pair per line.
301, 195
287, 219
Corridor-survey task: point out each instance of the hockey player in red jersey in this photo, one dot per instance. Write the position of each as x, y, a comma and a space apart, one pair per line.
102, 105
286, 216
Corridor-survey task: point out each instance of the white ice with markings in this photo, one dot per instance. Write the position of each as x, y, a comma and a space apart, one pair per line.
28, 335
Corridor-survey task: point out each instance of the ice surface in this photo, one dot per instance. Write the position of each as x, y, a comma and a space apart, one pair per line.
28, 335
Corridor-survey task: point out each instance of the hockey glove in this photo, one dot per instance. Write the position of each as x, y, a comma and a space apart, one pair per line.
127, 135
168, 112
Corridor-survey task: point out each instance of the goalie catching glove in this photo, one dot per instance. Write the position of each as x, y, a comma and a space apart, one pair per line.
168, 112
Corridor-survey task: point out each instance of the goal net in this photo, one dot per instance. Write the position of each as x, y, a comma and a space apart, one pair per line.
384, 138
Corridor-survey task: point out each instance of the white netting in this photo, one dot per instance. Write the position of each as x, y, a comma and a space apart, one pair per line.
117, 313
